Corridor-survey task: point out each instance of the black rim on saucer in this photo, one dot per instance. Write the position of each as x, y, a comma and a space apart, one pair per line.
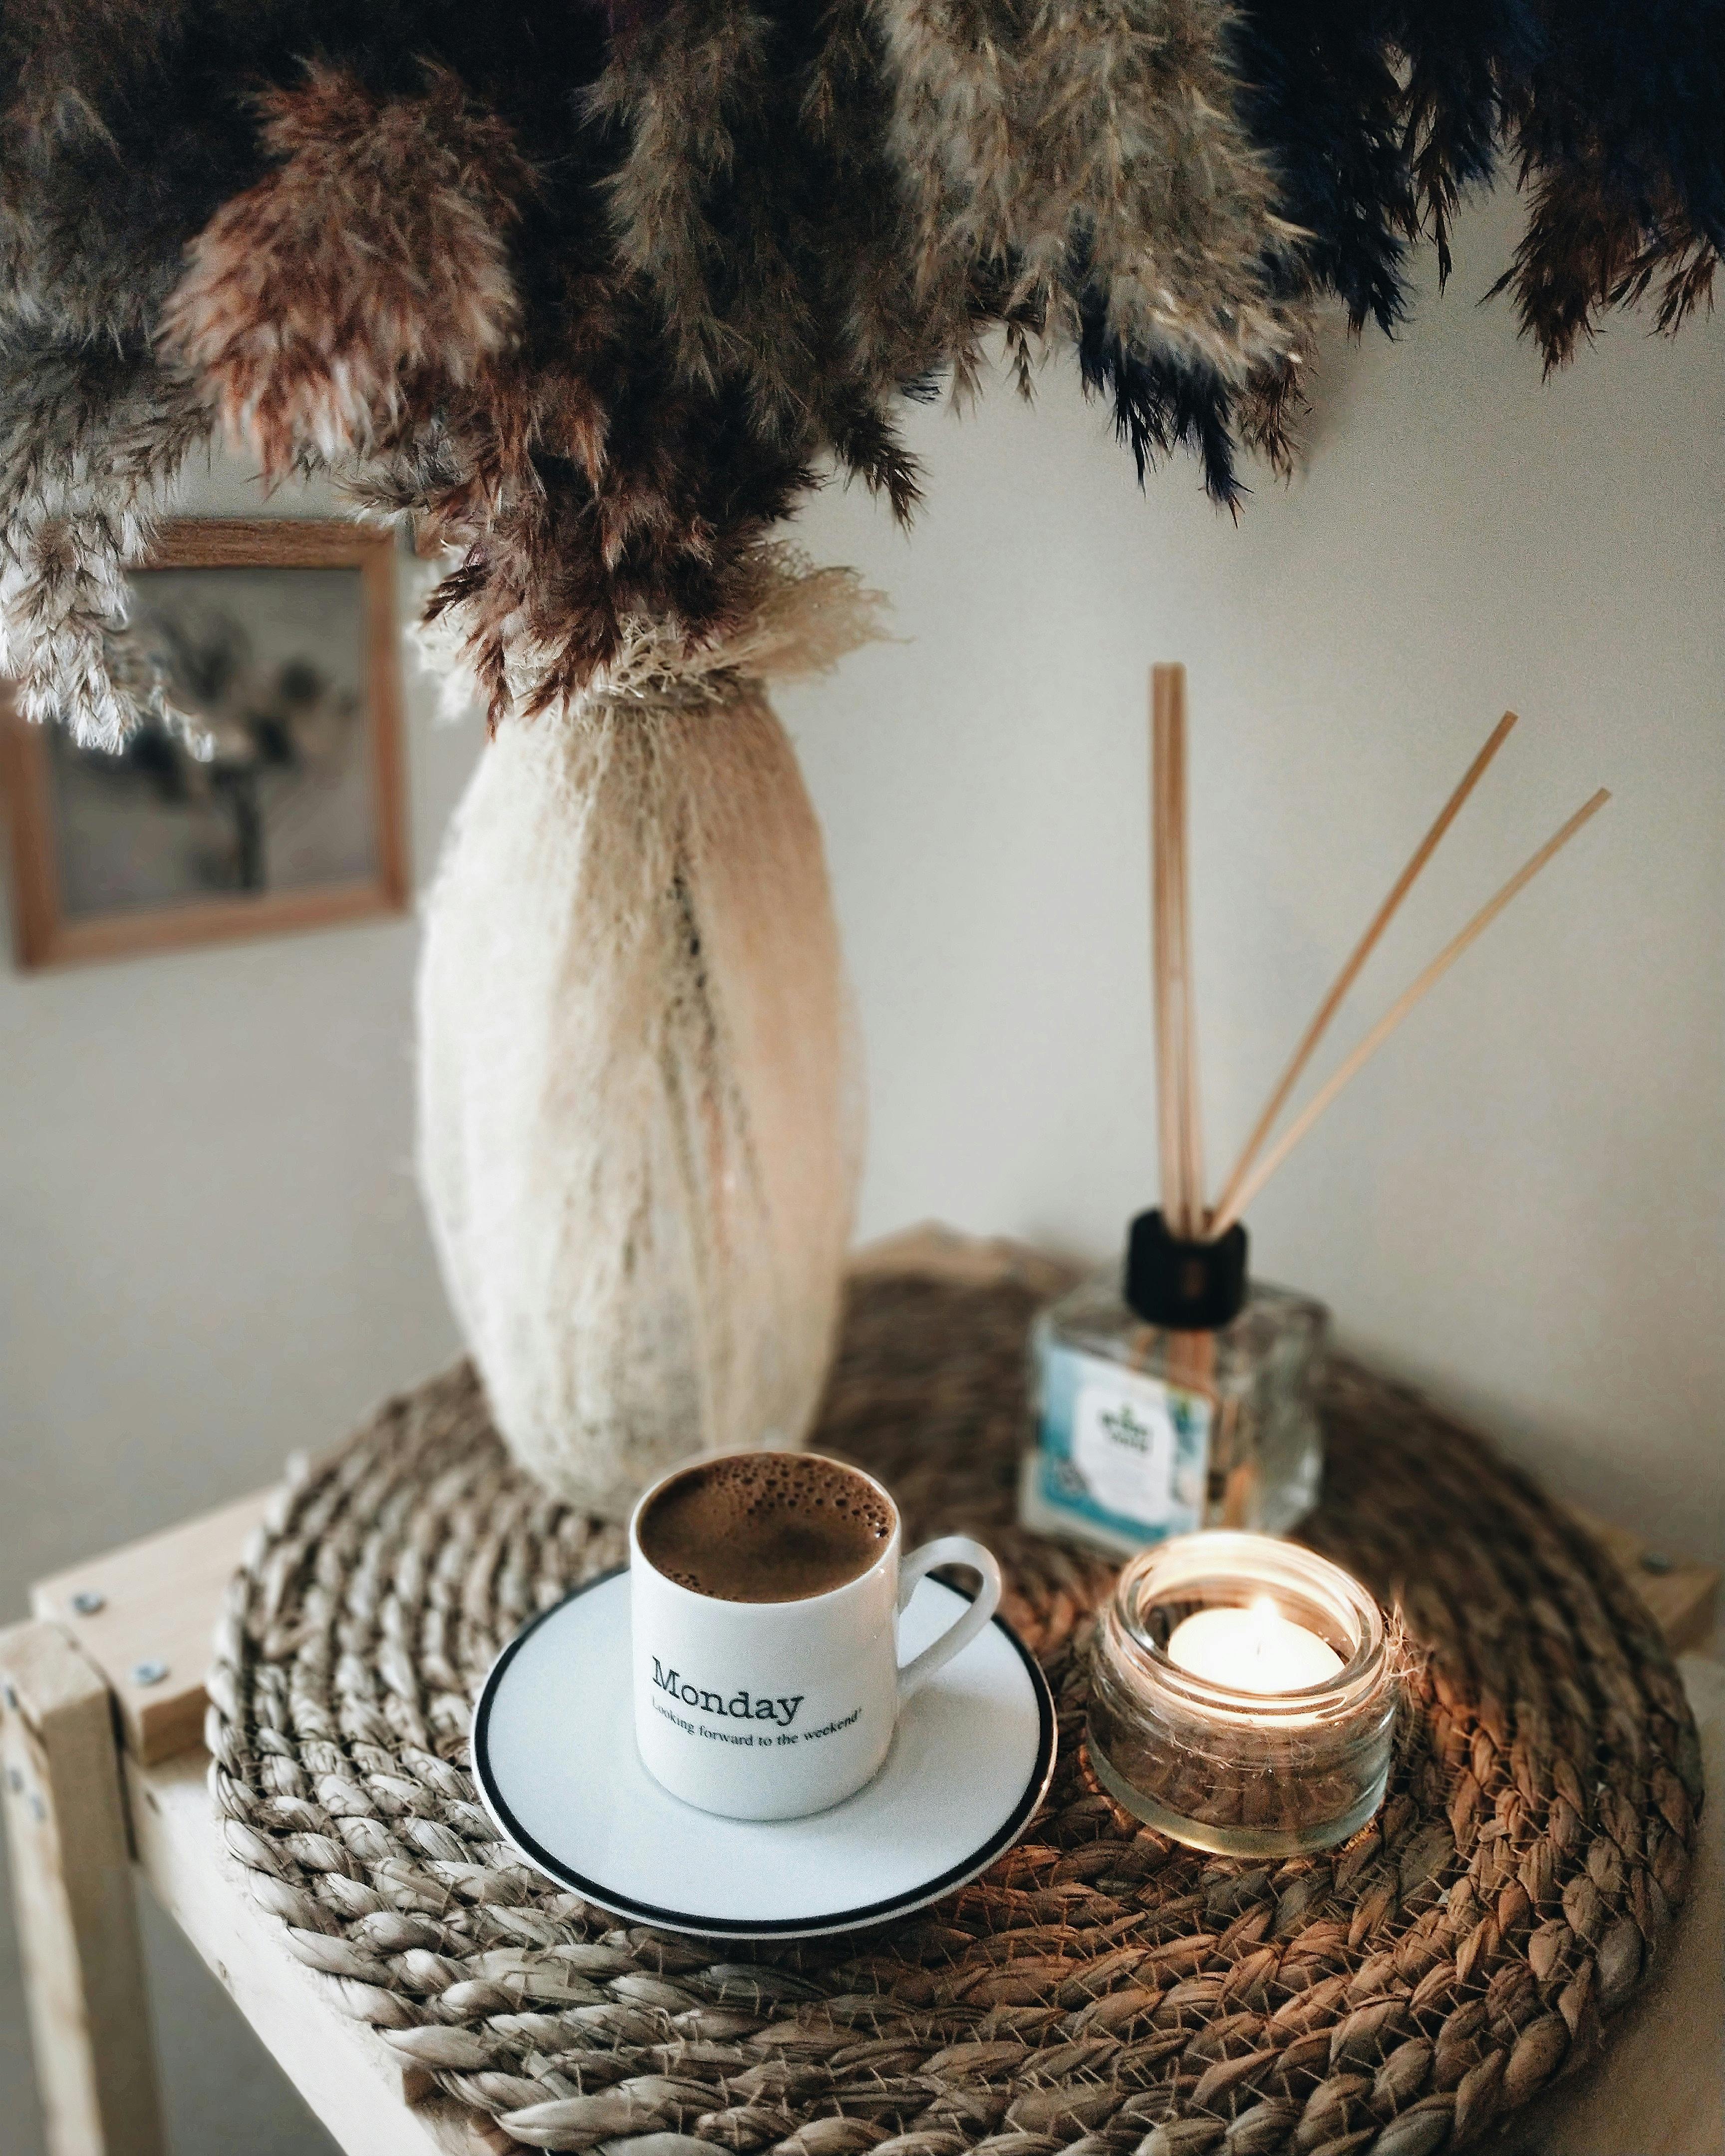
839, 1920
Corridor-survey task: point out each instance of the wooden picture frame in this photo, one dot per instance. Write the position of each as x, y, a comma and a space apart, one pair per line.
48, 932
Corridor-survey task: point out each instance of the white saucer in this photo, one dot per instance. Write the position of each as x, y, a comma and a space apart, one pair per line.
554, 1755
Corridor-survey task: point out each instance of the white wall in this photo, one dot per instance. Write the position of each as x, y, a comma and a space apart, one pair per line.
1522, 1203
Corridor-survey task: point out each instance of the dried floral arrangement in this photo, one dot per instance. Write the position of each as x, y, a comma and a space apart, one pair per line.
595, 294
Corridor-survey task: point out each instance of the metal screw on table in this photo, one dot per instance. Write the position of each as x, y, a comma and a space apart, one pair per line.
1655, 1562
148, 1673
86, 1602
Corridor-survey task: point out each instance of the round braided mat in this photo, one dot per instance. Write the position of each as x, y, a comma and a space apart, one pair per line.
1098, 1990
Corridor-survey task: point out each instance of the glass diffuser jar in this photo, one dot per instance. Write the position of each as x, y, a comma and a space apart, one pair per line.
1204, 1743
1175, 1398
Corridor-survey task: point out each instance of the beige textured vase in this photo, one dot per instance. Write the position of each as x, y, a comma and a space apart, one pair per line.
639, 1112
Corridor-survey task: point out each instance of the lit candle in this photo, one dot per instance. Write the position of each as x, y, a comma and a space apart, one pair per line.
1244, 1695
1252, 1650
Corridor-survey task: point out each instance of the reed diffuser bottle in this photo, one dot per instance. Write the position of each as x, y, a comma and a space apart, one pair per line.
1176, 1394
1174, 1398
1179, 1395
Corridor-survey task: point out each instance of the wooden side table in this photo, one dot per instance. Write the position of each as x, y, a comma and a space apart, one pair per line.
104, 1772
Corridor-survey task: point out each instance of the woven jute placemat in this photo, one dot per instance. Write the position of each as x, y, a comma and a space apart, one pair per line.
1100, 1990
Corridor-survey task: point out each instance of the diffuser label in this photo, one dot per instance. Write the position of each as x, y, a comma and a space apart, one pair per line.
1122, 1450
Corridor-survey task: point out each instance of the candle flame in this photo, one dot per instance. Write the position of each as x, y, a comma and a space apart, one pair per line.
1265, 1618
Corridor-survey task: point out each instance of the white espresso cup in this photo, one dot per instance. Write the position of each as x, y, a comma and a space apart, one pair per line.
772, 1710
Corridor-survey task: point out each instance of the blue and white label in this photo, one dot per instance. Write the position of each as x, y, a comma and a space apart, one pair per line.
1121, 1450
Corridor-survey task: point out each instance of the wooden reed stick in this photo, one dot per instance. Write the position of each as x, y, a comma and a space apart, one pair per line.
1226, 1201
1225, 1217
1179, 1126
1191, 1119
1162, 701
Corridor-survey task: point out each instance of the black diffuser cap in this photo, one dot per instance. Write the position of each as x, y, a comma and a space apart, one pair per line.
1188, 1287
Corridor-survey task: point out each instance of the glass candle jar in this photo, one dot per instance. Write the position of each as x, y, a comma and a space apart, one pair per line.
1243, 1696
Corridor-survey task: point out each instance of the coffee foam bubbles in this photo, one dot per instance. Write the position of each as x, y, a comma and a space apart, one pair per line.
765, 1526
758, 1485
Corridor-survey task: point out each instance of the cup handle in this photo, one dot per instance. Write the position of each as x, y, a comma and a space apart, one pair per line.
949, 1549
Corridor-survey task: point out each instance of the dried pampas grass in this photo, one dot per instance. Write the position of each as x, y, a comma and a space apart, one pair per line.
91, 441
638, 1107
1076, 146
369, 271
794, 621
755, 201
1617, 131
594, 294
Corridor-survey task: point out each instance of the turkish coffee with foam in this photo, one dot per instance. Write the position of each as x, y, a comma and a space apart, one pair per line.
765, 1593
765, 1526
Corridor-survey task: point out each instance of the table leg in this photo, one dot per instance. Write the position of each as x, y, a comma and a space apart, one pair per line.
78, 1925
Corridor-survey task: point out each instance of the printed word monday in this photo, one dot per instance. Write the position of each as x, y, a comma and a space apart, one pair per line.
740, 1707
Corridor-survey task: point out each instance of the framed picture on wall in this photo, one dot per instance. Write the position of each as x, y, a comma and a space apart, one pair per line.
279, 802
